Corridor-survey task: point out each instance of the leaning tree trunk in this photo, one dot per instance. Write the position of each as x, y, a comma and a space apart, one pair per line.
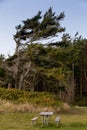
21, 82
23, 75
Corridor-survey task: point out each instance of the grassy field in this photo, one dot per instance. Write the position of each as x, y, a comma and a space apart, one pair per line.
75, 119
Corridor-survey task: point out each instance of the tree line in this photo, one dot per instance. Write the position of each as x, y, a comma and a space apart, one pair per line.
54, 66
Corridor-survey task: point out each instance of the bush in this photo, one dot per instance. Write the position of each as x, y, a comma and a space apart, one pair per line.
21, 96
82, 101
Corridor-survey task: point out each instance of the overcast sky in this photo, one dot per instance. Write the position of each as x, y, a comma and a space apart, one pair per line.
12, 12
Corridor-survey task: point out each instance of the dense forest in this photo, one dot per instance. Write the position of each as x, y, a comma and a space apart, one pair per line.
41, 63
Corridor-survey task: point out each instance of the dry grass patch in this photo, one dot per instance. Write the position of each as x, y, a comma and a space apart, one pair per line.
66, 107
9, 106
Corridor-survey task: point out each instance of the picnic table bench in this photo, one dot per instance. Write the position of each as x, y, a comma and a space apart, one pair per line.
57, 120
33, 120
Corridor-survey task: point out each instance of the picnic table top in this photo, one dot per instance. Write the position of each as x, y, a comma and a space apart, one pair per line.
46, 113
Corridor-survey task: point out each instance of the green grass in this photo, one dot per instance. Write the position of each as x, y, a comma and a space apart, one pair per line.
76, 119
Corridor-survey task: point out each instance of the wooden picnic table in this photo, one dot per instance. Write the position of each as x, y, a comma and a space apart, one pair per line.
45, 117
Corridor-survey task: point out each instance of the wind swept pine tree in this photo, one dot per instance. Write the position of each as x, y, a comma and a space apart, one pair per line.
33, 30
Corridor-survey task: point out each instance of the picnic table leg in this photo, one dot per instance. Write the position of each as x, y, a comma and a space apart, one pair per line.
43, 121
47, 120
